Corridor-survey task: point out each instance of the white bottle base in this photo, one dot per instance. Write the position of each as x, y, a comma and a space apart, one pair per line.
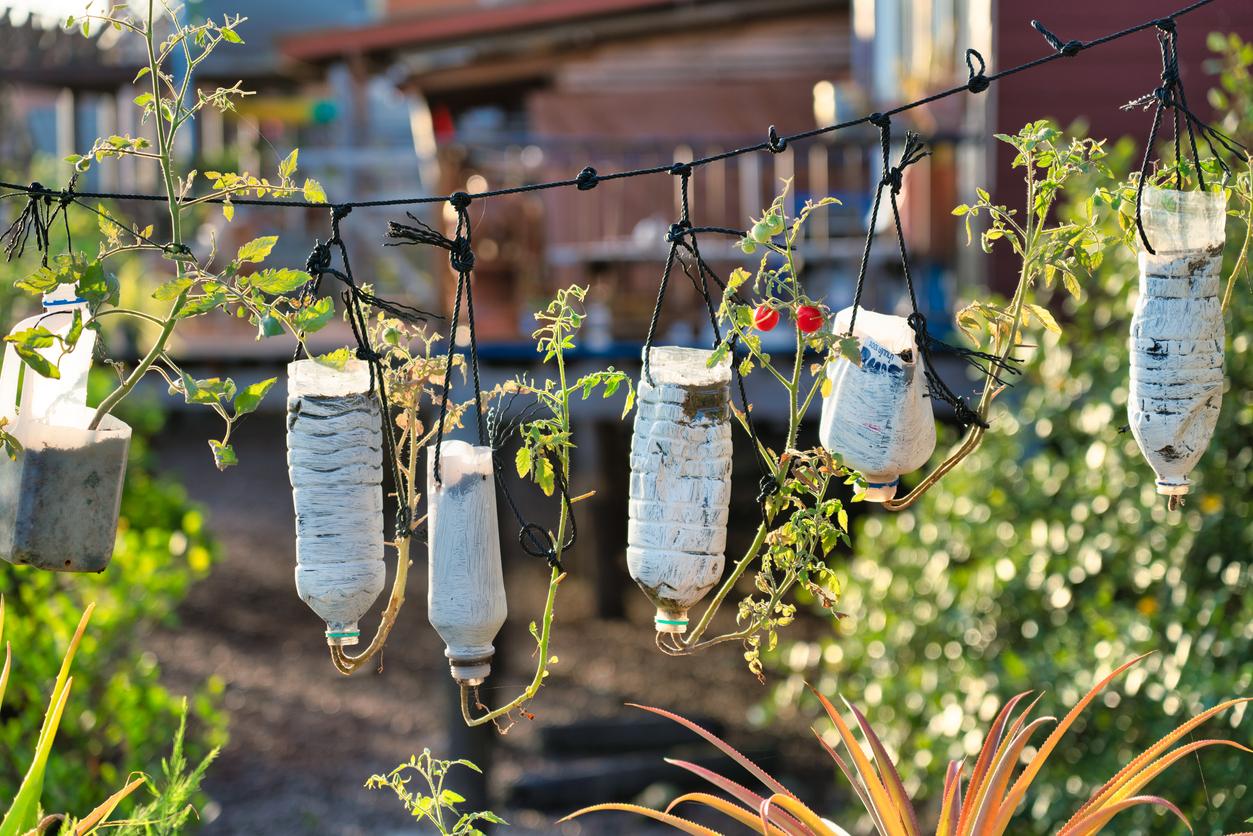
669, 621
1174, 488
881, 491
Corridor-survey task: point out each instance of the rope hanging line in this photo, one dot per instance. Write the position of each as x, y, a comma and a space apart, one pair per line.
533, 538
589, 178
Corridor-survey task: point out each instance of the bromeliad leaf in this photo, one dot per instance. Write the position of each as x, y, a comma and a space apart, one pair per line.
256, 250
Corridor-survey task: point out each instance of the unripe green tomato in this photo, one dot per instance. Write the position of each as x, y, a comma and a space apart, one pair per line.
761, 232
775, 220
749, 246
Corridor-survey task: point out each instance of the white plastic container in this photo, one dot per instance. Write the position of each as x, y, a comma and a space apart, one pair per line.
680, 489
59, 499
878, 418
466, 584
335, 461
1177, 333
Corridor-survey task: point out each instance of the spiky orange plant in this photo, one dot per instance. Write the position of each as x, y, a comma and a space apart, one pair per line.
984, 808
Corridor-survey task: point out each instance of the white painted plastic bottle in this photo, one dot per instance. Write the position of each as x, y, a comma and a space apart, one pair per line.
1177, 333
59, 499
878, 418
335, 461
680, 489
466, 583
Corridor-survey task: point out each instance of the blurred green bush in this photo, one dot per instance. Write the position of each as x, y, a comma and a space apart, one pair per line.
120, 717
1048, 553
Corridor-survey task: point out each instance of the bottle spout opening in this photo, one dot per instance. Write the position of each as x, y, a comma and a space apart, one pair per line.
877, 491
671, 621
470, 672
343, 636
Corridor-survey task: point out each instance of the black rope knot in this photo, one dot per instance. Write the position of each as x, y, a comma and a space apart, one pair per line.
914, 151
678, 231
367, 354
461, 255
1069, 48
587, 179
459, 201
681, 169
880, 120
977, 81
766, 488
1166, 24
774, 142
319, 261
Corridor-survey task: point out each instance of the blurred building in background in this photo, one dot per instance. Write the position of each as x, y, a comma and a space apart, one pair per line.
394, 98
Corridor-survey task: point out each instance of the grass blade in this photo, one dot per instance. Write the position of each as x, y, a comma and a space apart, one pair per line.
97, 816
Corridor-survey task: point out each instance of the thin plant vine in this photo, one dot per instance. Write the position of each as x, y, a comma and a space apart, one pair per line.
544, 458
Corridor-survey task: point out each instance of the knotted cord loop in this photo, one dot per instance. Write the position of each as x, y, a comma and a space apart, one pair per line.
891, 182
776, 144
319, 264
977, 81
1171, 94
1070, 48
587, 179
38, 216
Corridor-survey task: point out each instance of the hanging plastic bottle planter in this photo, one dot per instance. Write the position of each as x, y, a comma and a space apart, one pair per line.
335, 461
1177, 333
466, 584
680, 481
877, 417
59, 499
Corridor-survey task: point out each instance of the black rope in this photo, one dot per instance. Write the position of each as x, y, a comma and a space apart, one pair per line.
683, 236
38, 217
1069, 49
1170, 94
977, 81
319, 264
588, 177
533, 539
891, 182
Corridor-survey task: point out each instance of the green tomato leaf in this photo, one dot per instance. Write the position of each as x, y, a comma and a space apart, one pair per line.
523, 461
288, 166
278, 281
223, 455
313, 191
202, 304
313, 317
171, 289
256, 250
250, 398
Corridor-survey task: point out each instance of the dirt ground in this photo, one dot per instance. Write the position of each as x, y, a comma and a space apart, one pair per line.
304, 738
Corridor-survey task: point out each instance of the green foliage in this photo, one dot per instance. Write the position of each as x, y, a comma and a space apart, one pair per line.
1049, 549
170, 101
434, 803
173, 805
800, 524
120, 714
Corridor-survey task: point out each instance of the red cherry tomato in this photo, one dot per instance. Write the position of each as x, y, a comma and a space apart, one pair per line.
765, 318
809, 319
